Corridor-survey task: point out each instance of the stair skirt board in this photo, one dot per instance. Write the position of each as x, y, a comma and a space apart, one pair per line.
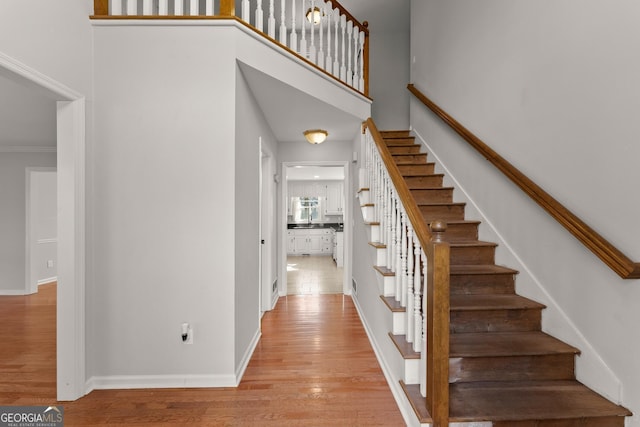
593, 371
396, 389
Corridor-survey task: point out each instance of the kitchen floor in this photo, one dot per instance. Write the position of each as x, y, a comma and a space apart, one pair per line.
313, 275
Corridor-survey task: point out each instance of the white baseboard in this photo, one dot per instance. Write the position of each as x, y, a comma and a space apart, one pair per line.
158, 381
47, 280
247, 357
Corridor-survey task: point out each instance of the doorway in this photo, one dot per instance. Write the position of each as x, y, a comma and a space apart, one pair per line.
70, 223
314, 219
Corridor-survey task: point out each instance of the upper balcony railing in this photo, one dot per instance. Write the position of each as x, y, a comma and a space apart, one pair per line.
321, 32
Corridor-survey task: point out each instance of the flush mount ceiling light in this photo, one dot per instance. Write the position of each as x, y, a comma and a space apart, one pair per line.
315, 136
314, 15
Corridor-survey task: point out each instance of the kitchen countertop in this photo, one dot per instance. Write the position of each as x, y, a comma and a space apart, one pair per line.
336, 226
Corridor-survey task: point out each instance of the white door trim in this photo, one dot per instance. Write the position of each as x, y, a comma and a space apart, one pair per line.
71, 375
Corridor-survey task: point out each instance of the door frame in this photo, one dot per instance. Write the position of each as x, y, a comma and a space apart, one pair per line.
70, 145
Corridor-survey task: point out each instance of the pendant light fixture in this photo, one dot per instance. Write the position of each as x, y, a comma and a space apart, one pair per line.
314, 15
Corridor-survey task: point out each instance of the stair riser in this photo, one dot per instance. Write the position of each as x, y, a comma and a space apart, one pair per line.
472, 255
442, 212
495, 320
404, 149
426, 169
482, 284
569, 422
458, 232
406, 140
433, 195
416, 182
513, 368
411, 159
395, 133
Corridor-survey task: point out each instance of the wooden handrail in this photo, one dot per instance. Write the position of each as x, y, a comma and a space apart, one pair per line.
436, 288
610, 255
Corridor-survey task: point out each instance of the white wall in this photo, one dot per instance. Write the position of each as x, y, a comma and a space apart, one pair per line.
13, 216
388, 78
554, 90
44, 224
251, 129
164, 201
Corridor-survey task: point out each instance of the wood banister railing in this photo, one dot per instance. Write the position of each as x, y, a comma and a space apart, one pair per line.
338, 44
430, 259
609, 254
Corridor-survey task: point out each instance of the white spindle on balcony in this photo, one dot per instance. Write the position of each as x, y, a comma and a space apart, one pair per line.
356, 56
320, 57
132, 7
328, 12
293, 42
246, 11
349, 79
271, 22
361, 40
343, 65
163, 7
178, 7
209, 7
336, 62
259, 24
147, 7
303, 37
283, 26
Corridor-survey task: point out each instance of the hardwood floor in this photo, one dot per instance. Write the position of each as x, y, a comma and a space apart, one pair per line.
314, 366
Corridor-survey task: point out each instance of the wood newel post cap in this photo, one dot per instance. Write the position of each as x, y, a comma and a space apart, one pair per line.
365, 24
438, 227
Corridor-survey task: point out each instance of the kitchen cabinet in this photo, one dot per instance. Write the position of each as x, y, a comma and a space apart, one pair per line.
309, 241
335, 196
338, 248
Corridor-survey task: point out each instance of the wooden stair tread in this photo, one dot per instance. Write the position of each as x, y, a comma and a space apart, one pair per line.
482, 269
500, 344
528, 400
392, 304
492, 302
384, 270
404, 347
378, 245
412, 391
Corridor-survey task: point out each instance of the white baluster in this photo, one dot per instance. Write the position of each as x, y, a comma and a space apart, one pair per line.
259, 17
163, 7
293, 41
361, 82
178, 7
132, 7
116, 7
193, 7
147, 7
398, 255
389, 222
349, 78
422, 367
320, 60
283, 25
343, 65
246, 11
403, 257
328, 11
417, 306
336, 62
271, 21
209, 8
303, 37
356, 58
312, 44
410, 299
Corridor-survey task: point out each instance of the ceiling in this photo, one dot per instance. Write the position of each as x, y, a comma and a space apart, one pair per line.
309, 173
29, 119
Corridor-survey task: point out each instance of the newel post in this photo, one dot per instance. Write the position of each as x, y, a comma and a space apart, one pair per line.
227, 8
437, 332
101, 7
365, 57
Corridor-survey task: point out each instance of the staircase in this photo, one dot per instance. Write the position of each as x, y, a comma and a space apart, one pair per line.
502, 368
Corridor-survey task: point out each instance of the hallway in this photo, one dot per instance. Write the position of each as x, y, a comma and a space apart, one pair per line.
314, 366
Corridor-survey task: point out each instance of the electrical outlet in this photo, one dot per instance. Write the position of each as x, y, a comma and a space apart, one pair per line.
189, 336
50, 263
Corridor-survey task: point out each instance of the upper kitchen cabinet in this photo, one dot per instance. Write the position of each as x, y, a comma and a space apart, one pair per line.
334, 205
